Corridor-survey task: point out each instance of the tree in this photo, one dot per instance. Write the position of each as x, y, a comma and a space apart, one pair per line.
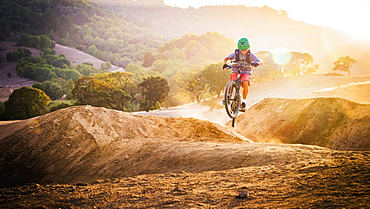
2, 108
45, 42
52, 89
97, 92
148, 59
105, 66
154, 91
215, 77
25, 102
193, 82
344, 64
16, 55
269, 70
91, 50
87, 69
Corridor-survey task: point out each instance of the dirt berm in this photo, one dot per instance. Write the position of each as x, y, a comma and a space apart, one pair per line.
328, 122
86, 143
89, 157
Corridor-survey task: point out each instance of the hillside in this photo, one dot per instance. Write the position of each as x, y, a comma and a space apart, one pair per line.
94, 157
77, 57
8, 85
267, 29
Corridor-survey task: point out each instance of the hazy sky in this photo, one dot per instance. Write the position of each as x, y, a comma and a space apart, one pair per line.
351, 16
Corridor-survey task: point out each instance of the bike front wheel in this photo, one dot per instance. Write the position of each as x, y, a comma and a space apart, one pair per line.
232, 99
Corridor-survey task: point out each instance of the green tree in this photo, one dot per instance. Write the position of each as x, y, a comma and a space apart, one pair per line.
215, 77
67, 87
16, 55
45, 42
87, 69
25, 102
49, 18
105, 66
154, 91
52, 89
193, 83
2, 109
97, 92
344, 64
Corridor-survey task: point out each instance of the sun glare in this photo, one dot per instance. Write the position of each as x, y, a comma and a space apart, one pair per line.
282, 57
352, 17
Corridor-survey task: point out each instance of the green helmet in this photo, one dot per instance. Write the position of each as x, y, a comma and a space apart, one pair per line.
243, 44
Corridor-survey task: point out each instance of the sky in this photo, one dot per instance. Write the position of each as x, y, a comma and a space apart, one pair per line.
351, 16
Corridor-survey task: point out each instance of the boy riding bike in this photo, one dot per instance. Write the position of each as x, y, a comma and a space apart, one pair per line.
243, 61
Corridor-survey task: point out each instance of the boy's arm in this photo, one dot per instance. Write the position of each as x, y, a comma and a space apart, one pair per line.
225, 59
255, 59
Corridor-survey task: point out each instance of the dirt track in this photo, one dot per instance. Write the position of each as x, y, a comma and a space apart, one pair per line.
112, 159
340, 180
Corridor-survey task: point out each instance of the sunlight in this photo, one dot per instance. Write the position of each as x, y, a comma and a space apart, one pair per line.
282, 57
341, 86
35, 126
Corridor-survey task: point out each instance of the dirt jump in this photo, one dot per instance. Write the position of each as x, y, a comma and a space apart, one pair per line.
90, 157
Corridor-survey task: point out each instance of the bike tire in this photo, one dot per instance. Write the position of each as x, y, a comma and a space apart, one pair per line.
232, 99
233, 122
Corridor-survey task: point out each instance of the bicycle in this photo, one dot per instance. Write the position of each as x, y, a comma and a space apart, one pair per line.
232, 98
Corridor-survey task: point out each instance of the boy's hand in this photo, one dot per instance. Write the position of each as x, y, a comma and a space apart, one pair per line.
254, 64
225, 66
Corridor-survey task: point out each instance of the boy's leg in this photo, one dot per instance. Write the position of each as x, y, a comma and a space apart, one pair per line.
245, 90
246, 83
246, 78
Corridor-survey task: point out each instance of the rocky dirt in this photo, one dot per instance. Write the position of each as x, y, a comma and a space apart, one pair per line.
319, 178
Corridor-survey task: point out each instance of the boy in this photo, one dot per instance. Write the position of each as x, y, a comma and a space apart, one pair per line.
243, 61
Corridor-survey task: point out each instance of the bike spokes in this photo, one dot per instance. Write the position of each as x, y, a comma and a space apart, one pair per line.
232, 99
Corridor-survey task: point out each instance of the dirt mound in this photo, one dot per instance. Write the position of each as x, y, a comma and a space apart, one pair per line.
112, 159
328, 122
87, 143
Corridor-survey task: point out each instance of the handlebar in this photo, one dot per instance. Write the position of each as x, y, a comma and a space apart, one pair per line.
239, 66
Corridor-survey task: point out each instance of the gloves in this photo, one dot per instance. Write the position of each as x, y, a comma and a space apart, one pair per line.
254, 64
225, 66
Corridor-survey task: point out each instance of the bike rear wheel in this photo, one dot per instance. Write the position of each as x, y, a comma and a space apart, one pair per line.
232, 99
233, 122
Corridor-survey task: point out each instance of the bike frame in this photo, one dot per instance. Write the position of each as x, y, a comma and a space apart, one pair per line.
232, 98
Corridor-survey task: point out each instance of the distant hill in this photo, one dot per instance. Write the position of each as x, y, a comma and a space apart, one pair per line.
77, 57
268, 29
